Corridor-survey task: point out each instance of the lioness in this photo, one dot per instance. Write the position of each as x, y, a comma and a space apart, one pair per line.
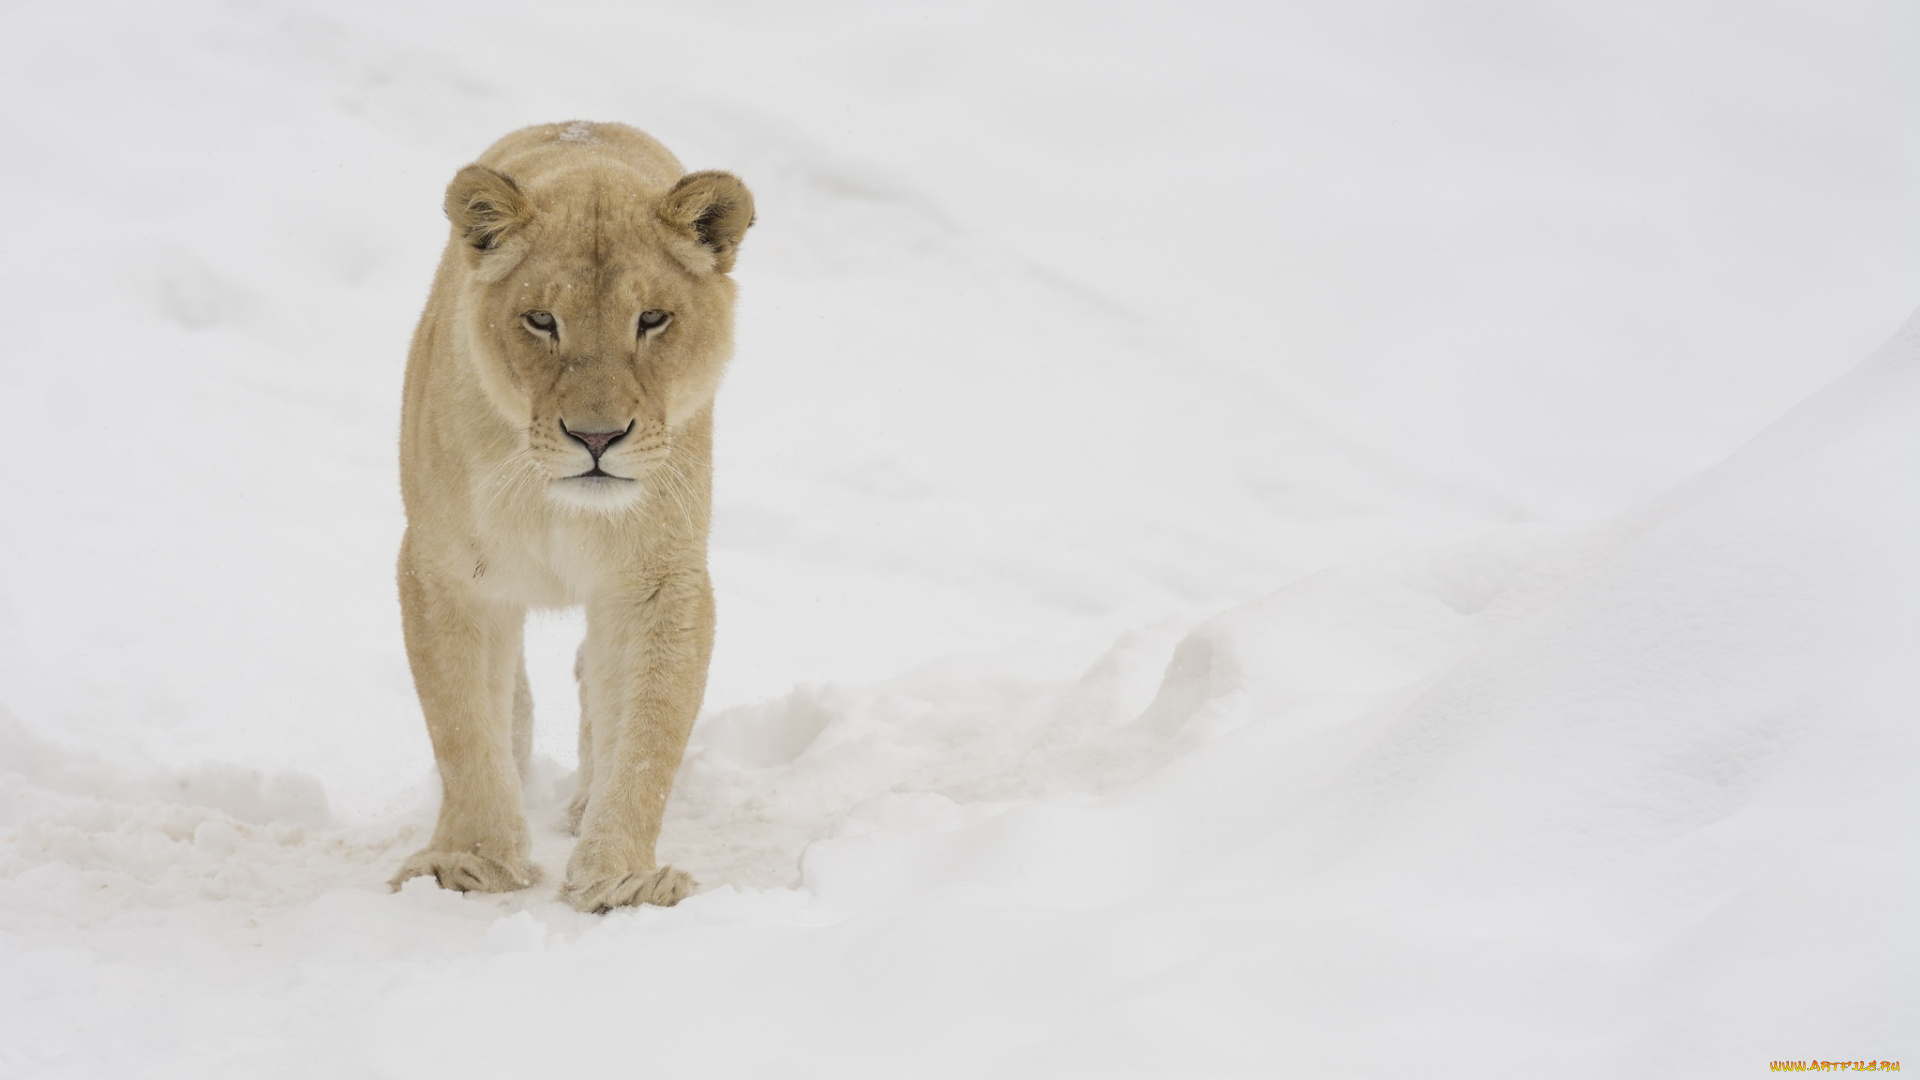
555, 449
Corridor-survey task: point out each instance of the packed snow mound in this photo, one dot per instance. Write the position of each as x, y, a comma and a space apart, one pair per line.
1565, 802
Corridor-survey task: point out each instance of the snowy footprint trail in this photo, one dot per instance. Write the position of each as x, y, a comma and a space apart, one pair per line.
1553, 802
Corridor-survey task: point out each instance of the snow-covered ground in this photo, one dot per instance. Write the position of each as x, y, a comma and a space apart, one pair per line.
1222, 562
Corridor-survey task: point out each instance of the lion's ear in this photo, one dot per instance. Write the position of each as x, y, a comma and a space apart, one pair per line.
714, 210
490, 212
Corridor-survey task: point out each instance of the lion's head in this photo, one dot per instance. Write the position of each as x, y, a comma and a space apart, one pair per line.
598, 311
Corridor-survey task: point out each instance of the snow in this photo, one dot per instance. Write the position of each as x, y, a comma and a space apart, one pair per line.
1222, 561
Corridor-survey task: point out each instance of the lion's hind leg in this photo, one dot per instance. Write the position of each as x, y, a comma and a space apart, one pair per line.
522, 716
583, 789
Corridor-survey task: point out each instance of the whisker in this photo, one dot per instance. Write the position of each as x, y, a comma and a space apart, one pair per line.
509, 479
678, 488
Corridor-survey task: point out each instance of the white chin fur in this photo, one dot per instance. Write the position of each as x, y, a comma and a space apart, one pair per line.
596, 493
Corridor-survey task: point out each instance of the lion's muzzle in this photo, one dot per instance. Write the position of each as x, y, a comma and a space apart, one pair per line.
597, 443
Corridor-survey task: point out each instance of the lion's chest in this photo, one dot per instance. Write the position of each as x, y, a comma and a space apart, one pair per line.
551, 563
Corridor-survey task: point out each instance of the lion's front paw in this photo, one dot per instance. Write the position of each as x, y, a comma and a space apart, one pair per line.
466, 871
594, 893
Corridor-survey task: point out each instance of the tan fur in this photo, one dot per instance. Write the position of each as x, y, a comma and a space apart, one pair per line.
591, 224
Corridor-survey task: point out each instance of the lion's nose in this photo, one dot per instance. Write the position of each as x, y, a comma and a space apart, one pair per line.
596, 442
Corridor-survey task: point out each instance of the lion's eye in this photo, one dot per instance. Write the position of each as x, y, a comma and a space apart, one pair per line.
653, 319
540, 322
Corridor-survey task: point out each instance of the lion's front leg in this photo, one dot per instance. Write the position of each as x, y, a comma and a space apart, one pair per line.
644, 672
465, 655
